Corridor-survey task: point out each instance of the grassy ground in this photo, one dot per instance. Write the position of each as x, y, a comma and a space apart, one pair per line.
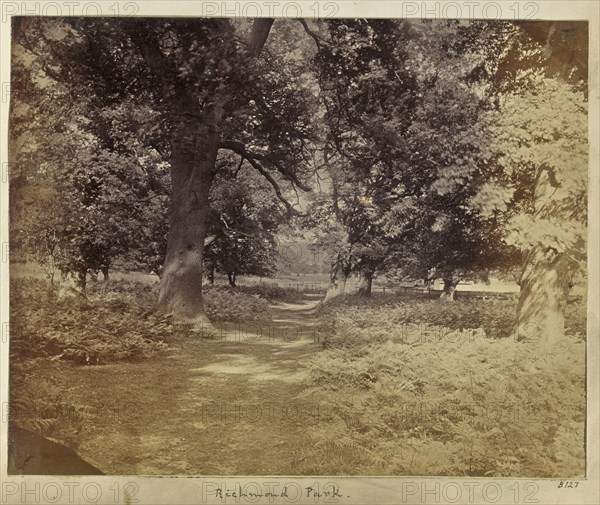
415, 388
398, 385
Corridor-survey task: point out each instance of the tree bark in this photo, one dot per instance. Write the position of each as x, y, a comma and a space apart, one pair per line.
194, 148
545, 285
546, 276
449, 289
365, 284
81, 280
336, 288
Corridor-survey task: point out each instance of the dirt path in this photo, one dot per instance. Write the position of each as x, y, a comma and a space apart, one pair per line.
224, 406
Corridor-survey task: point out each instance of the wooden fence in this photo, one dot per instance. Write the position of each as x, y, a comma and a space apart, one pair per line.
321, 288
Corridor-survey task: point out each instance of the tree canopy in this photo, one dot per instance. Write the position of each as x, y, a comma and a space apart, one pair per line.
435, 149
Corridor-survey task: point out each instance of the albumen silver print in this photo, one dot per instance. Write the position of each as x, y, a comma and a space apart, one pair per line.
320, 254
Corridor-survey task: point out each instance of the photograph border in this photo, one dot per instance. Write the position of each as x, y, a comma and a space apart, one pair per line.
331, 489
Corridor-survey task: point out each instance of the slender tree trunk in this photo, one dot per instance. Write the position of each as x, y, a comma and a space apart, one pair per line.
81, 280
231, 278
365, 284
337, 279
449, 289
104, 270
545, 285
211, 274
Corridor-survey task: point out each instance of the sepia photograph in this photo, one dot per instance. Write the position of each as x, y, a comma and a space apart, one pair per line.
298, 246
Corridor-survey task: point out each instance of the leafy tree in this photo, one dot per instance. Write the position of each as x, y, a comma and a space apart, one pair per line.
244, 219
85, 217
540, 127
406, 146
532, 130
329, 240
207, 85
428, 203
368, 93
76, 205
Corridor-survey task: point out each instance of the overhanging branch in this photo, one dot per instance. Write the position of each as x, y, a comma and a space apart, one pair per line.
240, 149
311, 34
290, 210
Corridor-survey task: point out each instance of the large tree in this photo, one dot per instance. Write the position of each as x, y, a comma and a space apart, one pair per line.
75, 206
368, 93
208, 89
403, 102
540, 127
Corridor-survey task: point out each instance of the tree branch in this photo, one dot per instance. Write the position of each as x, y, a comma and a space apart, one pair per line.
257, 166
273, 182
230, 231
312, 34
239, 167
240, 149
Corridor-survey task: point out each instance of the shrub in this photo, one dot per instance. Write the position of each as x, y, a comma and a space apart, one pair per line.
42, 406
96, 330
272, 293
495, 315
113, 324
228, 304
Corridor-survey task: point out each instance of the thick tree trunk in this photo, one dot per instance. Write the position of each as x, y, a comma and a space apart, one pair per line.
336, 288
449, 289
105, 273
543, 297
194, 148
546, 276
365, 284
